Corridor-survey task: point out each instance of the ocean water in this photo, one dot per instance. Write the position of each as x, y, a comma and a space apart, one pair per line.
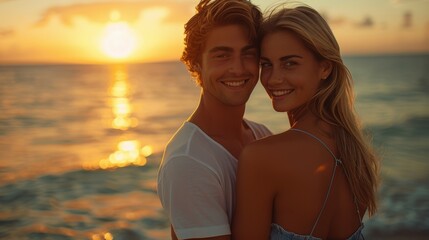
80, 145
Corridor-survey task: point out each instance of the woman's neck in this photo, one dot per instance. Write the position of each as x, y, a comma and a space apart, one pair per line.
303, 118
299, 115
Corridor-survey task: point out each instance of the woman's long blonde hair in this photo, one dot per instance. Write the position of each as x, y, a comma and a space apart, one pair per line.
334, 102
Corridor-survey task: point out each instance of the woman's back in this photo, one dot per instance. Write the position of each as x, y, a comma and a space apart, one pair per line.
310, 198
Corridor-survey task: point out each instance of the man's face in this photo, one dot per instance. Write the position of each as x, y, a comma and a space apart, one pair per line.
230, 66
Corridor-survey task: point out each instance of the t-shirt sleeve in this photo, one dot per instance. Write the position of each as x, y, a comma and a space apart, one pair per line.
192, 196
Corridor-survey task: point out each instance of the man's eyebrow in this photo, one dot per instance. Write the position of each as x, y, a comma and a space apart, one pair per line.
229, 49
220, 48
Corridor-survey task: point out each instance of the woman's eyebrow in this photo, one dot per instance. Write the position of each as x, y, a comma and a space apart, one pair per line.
287, 57
282, 59
249, 47
264, 59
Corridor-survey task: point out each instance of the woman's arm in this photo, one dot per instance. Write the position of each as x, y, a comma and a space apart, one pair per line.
255, 196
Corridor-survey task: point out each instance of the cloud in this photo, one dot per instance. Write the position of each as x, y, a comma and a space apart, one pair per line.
335, 21
407, 21
6, 32
367, 22
101, 12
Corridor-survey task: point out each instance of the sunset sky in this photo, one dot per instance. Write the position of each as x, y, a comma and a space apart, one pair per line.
103, 31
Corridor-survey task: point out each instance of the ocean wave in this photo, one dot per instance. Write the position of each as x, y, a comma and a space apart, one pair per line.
82, 205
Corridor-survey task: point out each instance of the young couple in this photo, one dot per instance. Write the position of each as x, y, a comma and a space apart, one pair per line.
313, 181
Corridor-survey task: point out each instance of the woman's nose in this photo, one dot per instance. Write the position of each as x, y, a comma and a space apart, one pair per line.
276, 77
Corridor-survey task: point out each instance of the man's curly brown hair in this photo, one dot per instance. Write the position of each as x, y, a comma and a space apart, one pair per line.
211, 14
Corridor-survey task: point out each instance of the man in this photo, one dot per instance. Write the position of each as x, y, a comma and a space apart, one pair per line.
196, 181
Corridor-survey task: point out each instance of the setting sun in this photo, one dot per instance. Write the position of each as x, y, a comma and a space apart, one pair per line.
118, 41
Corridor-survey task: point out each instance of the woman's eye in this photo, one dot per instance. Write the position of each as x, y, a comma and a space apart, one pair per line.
265, 64
251, 54
289, 63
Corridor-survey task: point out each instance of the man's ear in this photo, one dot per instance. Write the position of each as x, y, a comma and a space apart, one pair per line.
326, 69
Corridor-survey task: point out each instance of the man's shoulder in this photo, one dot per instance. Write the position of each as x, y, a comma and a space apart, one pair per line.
182, 135
190, 142
185, 137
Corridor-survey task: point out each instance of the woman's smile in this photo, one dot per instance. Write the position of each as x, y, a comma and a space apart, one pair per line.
281, 92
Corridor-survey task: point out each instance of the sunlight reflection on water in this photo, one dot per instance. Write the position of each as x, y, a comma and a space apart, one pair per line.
122, 108
128, 152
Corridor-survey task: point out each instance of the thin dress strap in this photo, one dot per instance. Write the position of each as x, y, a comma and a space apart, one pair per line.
337, 161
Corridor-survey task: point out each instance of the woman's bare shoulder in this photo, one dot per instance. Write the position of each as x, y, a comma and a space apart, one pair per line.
290, 149
284, 141
270, 150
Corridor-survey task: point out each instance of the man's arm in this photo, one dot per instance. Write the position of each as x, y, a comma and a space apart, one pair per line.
193, 199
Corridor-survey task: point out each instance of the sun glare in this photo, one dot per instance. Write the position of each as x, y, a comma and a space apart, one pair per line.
118, 41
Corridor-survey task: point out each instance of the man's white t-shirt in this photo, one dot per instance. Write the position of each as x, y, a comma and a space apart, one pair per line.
196, 182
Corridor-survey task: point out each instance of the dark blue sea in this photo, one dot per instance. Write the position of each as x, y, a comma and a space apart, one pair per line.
80, 145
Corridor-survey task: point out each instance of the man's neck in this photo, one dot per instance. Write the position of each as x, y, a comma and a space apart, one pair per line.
219, 120
223, 123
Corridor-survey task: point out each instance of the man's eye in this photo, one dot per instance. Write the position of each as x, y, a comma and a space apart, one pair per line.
221, 56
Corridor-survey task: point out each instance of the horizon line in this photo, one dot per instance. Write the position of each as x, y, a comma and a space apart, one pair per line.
390, 54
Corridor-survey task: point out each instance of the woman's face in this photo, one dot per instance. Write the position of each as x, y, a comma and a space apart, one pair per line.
290, 72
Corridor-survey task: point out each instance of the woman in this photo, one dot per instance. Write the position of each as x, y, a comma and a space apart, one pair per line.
316, 180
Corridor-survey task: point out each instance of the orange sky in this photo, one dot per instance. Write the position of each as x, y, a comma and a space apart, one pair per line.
97, 31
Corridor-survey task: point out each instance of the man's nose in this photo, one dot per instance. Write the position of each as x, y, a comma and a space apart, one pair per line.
237, 66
